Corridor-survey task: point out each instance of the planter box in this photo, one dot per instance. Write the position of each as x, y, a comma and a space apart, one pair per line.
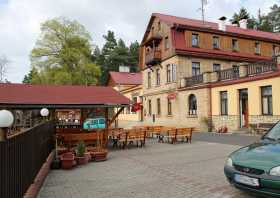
81, 160
99, 155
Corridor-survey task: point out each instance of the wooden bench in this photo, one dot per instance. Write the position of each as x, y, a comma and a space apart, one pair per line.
184, 133
154, 130
136, 135
130, 136
179, 133
261, 128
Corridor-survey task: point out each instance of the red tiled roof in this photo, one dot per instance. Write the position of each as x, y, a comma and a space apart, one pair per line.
59, 95
126, 78
171, 20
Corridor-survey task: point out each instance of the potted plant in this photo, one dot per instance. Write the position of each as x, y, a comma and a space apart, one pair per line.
67, 160
81, 158
100, 155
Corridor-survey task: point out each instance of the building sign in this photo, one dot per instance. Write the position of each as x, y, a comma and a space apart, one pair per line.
136, 107
172, 96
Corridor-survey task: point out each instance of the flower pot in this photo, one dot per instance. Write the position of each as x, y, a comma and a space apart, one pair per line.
81, 160
67, 161
88, 155
100, 155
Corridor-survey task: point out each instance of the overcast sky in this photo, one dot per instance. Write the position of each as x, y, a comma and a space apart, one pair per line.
20, 20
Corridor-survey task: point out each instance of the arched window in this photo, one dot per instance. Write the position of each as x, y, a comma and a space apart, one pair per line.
192, 105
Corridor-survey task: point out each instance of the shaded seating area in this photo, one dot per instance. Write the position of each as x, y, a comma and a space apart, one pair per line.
86, 104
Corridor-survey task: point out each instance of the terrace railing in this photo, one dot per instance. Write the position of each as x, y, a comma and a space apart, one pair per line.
228, 74
194, 80
260, 68
153, 57
21, 158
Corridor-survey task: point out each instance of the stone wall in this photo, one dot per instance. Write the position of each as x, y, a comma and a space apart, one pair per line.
230, 121
264, 119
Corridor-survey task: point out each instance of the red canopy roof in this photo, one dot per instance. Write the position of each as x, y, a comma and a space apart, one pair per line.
126, 78
22, 94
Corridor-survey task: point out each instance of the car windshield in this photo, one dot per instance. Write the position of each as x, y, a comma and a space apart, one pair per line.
274, 133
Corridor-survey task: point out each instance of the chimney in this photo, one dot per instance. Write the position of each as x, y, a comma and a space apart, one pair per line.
222, 23
234, 23
124, 68
243, 23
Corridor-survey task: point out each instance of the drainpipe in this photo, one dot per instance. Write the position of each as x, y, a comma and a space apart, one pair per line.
210, 121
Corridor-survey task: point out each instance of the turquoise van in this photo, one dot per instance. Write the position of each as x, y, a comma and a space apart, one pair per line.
94, 123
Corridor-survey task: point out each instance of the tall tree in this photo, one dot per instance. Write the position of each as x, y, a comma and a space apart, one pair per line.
62, 54
105, 58
272, 19
244, 14
134, 56
28, 78
3, 67
114, 54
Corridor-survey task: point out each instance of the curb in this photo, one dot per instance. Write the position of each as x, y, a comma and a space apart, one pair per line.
34, 188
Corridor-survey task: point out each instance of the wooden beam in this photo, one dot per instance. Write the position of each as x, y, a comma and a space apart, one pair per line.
115, 116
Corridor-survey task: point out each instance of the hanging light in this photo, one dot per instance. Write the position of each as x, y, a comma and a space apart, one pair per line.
44, 112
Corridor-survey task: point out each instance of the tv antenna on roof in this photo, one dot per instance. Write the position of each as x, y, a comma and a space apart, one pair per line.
202, 9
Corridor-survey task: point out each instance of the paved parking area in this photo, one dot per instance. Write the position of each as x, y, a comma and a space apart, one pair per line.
157, 171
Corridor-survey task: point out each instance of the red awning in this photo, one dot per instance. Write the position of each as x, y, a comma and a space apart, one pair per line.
172, 96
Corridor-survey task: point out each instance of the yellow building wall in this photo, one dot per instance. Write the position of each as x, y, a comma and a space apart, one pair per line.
254, 96
133, 92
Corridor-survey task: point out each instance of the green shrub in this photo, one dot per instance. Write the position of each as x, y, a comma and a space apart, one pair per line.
81, 149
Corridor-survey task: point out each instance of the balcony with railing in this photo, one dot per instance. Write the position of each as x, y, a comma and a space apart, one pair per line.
194, 80
237, 72
153, 57
153, 39
228, 74
261, 68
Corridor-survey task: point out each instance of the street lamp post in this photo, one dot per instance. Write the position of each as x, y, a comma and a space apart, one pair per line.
6, 120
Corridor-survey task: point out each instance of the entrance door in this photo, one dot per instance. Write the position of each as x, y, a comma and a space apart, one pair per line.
243, 108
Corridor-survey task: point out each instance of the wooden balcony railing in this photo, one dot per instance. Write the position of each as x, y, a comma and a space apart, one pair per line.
194, 80
153, 57
228, 74
260, 68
